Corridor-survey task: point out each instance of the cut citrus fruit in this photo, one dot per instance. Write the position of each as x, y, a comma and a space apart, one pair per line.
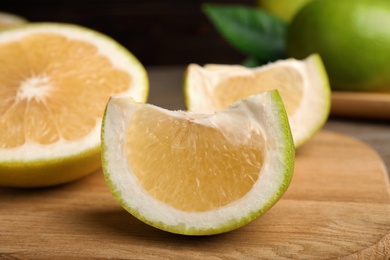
7, 20
198, 174
55, 81
303, 85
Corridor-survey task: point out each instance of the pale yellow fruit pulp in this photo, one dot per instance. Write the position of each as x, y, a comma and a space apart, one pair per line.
283, 78
55, 81
303, 85
217, 172
44, 89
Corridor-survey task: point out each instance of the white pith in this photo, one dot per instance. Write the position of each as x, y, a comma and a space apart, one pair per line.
63, 148
311, 113
38, 86
257, 113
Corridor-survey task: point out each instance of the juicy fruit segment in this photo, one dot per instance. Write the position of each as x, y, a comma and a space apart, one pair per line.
197, 174
352, 38
217, 172
282, 78
39, 74
303, 85
55, 80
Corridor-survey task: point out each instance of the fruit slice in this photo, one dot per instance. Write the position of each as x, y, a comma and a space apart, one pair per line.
303, 85
55, 81
198, 174
7, 20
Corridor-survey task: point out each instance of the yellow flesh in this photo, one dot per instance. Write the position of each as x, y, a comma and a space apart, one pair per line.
189, 166
287, 80
53, 88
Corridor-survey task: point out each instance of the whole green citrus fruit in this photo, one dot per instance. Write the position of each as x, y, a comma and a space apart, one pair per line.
284, 9
351, 36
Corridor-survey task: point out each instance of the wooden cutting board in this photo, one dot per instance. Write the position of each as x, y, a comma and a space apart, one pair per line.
338, 205
362, 105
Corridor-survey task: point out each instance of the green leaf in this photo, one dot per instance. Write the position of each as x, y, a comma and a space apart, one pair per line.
251, 30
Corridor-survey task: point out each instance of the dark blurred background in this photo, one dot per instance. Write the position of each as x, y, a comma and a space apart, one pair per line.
161, 32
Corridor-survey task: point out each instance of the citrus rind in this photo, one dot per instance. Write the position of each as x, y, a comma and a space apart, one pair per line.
44, 173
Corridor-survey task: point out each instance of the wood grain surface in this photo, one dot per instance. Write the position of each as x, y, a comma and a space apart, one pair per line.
361, 105
338, 206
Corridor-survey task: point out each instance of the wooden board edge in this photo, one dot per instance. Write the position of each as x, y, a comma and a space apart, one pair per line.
360, 105
380, 250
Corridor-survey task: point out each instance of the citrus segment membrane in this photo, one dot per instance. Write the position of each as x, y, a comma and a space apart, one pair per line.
197, 174
55, 81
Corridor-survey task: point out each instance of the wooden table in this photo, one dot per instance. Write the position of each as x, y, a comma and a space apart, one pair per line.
323, 215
